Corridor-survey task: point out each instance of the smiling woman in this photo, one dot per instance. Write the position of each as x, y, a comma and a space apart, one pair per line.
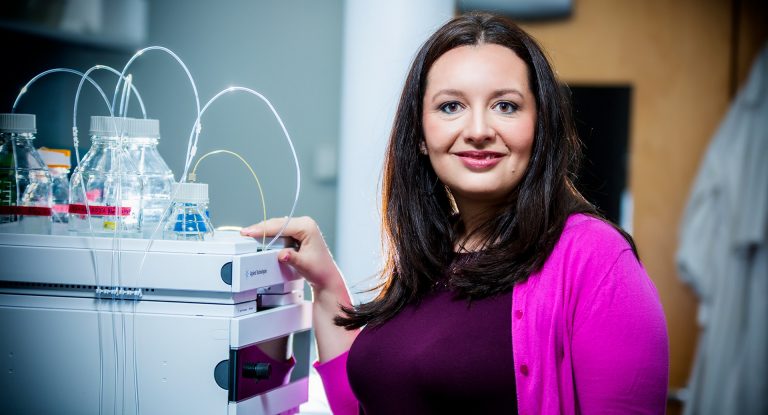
503, 291
479, 120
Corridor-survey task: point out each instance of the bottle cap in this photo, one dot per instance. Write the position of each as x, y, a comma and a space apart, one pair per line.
18, 123
127, 127
190, 192
55, 157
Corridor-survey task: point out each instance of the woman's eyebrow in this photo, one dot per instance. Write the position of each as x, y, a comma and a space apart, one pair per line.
497, 93
449, 92
502, 92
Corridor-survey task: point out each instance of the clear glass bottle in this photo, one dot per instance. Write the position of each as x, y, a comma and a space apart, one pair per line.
189, 220
107, 184
59, 163
25, 183
141, 146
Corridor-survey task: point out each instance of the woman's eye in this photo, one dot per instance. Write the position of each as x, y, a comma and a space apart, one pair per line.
450, 107
506, 107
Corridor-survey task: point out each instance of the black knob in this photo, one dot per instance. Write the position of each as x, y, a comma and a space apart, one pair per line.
258, 371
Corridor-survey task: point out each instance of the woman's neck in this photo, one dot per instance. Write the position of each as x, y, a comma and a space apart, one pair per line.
473, 216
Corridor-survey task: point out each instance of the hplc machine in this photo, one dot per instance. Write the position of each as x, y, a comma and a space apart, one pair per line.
104, 325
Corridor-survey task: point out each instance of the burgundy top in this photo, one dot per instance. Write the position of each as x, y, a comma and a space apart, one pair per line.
588, 329
443, 355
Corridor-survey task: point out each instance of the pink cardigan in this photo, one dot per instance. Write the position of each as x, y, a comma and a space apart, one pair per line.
588, 332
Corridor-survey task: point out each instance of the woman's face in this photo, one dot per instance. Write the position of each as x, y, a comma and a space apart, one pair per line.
479, 119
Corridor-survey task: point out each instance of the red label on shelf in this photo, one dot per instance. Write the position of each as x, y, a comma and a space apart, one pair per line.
25, 210
97, 210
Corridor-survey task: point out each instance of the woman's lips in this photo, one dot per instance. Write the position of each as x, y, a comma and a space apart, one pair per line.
479, 160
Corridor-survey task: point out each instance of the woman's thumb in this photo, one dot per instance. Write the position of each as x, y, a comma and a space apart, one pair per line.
291, 257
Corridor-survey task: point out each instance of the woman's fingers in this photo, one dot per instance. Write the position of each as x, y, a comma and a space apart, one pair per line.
312, 259
288, 255
297, 228
270, 227
295, 259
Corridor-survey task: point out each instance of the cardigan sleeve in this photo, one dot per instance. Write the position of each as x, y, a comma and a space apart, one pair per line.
333, 373
620, 348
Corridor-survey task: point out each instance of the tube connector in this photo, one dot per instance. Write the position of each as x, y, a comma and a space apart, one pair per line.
75, 140
120, 293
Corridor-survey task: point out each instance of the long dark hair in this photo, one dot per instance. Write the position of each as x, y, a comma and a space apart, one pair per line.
419, 221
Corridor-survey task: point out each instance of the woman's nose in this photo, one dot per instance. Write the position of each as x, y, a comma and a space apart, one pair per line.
478, 128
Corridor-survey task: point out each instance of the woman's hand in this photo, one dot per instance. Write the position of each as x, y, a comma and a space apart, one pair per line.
313, 261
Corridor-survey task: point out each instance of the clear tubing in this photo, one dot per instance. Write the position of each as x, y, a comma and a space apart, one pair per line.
118, 228
84, 76
116, 251
76, 142
195, 133
197, 128
16, 169
78, 73
253, 173
90, 228
123, 110
190, 151
115, 352
116, 302
75, 138
116, 279
101, 357
126, 96
125, 351
135, 364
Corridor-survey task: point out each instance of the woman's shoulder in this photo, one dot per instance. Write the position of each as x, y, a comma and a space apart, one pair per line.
589, 233
588, 247
591, 256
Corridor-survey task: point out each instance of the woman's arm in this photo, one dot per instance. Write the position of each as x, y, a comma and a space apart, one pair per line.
620, 348
313, 261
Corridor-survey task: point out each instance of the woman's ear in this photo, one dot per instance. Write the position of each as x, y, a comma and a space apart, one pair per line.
423, 148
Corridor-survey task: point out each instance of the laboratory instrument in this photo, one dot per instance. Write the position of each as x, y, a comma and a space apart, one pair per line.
205, 327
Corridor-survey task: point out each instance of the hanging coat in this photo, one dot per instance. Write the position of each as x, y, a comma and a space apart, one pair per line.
722, 255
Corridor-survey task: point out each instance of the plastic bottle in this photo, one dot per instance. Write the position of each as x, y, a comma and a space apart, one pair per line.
189, 218
59, 163
108, 179
141, 145
25, 183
